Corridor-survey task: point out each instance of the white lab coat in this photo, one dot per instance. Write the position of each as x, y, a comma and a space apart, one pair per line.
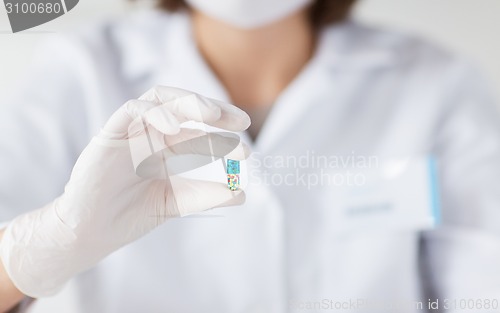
369, 91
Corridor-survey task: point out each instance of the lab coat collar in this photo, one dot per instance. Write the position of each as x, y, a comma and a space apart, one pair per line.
153, 42
169, 54
352, 46
141, 38
183, 66
157, 48
342, 48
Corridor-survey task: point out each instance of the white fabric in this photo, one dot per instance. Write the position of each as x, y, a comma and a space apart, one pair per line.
368, 91
248, 13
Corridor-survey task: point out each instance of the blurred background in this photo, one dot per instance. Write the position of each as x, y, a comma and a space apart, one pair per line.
469, 27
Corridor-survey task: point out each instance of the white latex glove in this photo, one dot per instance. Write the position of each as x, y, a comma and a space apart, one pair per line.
116, 195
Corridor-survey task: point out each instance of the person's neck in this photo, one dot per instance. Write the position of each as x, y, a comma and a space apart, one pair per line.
256, 65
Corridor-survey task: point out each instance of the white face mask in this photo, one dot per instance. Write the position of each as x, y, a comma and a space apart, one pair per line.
248, 13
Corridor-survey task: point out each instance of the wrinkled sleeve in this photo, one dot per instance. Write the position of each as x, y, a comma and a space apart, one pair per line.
43, 128
461, 259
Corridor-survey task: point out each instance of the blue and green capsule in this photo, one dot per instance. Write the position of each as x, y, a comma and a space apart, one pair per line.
233, 174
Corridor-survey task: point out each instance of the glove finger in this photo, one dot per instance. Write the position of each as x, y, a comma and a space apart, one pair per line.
198, 142
127, 121
194, 196
183, 104
155, 154
232, 118
166, 107
186, 106
161, 94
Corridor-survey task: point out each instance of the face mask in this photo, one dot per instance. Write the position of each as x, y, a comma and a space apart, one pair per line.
248, 13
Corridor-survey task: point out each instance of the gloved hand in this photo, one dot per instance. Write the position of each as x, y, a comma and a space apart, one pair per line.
116, 194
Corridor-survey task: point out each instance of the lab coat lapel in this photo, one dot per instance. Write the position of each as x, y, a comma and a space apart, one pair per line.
337, 53
183, 66
296, 100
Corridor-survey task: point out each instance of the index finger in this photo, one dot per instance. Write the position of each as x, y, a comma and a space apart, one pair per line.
230, 118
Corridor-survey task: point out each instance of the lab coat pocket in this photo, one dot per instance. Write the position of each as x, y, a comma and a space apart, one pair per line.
400, 194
